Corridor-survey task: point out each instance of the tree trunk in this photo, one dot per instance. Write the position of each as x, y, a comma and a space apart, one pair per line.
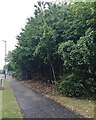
53, 72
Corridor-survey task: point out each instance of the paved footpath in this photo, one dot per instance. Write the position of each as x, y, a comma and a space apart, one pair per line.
35, 105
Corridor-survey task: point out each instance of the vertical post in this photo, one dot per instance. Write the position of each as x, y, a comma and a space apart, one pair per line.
1, 84
5, 58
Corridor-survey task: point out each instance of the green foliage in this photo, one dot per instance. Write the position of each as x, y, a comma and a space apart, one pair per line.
74, 85
79, 58
80, 55
58, 40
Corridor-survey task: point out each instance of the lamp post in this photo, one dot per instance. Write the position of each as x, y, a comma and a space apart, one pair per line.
5, 58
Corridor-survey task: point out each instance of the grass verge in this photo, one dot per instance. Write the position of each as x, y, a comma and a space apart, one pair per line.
82, 106
10, 107
0, 104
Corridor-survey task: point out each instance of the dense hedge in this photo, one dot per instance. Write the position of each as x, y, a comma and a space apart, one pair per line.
59, 41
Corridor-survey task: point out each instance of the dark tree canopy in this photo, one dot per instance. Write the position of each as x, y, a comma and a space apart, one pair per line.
58, 44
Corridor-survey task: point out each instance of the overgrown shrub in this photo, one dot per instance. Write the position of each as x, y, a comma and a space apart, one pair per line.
74, 86
59, 39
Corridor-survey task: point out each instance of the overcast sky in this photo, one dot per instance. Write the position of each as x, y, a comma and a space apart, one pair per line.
13, 15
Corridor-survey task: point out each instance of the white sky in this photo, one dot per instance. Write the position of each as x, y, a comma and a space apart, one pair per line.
13, 15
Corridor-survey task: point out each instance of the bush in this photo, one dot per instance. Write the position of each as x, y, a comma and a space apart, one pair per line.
74, 86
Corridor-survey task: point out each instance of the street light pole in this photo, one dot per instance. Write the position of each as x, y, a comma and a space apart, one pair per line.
5, 58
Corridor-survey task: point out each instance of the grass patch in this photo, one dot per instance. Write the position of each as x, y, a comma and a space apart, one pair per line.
0, 104
82, 106
10, 107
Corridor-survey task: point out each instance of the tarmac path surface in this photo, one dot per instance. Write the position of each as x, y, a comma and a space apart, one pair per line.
36, 105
